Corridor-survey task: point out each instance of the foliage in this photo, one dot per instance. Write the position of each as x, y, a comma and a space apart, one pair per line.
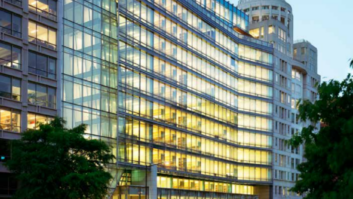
54, 162
328, 171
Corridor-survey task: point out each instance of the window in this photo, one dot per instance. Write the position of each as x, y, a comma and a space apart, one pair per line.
282, 35
271, 29
255, 18
303, 50
274, 7
295, 52
42, 65
255, 33
10, 88
41, 95
10, 56
265, 7
10, 23
255, 8
41, 34
10, 120
34, 119
48, 6
265, 18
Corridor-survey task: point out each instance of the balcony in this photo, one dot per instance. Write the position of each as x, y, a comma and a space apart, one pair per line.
39, 42
10, 32
50, 14
14, 2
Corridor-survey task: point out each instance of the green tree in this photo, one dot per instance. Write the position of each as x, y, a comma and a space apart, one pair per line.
54, 162
328, 171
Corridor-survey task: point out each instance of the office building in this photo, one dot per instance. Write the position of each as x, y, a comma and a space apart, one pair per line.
195, 98
185, 94
29, 73
295, 74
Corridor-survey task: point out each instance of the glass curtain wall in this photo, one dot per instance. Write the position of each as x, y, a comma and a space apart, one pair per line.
90, 61
178, 83
191, 90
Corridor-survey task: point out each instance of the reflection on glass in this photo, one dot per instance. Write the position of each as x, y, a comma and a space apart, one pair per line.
42, 65
10, 56
10, 88
41, 95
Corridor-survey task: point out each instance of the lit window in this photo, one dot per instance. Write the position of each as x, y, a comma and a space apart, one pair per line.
10, 120
255, 33
43, 35
34, 119
47, 7
271, 29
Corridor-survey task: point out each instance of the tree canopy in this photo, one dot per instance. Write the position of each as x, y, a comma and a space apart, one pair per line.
327, 172
54, 162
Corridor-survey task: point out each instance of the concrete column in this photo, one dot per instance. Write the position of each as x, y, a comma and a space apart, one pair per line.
60, 54
152, 182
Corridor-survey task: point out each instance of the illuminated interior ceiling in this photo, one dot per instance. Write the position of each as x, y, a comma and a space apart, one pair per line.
240, 31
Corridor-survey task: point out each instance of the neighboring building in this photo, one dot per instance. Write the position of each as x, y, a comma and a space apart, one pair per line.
295, 75
179, 88
29, 86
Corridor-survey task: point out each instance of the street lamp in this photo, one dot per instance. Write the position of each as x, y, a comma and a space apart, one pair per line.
146, 176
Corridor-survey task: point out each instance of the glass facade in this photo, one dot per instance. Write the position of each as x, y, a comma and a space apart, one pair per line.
192, 98
165, 85
89, 73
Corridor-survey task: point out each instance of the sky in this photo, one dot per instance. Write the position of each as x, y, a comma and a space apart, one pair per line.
327, 24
